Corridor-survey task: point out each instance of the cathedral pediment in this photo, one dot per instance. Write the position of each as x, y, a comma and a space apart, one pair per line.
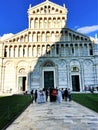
76, 35
47, 7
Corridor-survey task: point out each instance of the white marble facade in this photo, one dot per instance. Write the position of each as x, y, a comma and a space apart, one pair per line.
48, 54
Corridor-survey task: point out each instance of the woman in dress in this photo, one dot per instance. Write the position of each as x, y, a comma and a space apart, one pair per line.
59, 96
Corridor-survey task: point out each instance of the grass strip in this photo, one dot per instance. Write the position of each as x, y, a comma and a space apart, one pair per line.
88, 100
11, 107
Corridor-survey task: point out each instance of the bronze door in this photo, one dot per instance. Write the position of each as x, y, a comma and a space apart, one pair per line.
48, 79
75, 83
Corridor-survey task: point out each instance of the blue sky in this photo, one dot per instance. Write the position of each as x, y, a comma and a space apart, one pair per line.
82, 15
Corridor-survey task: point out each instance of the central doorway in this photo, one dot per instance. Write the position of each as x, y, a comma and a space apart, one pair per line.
48, 79
75, 83
22, 83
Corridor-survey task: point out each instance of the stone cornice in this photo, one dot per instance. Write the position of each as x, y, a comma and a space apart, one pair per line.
46, 3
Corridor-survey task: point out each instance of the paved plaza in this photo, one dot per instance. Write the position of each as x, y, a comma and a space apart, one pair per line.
56, 116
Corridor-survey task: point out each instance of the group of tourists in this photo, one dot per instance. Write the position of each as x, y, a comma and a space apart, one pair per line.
52, 95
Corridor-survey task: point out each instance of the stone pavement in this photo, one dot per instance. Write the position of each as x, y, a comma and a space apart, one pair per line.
56, 116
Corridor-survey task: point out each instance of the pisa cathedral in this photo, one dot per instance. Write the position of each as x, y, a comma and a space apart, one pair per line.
48, 54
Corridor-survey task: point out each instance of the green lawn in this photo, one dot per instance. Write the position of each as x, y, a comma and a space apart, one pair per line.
11, 107
87, 100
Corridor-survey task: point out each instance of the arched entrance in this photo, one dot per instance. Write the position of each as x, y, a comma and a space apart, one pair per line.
22, 83
75, 83
48, 79
75, 79
22, 80
48, 75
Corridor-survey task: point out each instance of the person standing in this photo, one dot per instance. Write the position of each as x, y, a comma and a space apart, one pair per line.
44, 96
62, 93
66, 94
69, 94
53, 95
32, 95
47, 93
59, 96
35, 95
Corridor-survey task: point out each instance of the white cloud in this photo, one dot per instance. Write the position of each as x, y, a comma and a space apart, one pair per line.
5, 36
88, 29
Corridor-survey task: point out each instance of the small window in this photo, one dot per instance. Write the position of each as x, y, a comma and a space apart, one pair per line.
72, 50
5, 53
48, 50
23, 51
91, 51
22, 70
74, 69
48, 64
57, 49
